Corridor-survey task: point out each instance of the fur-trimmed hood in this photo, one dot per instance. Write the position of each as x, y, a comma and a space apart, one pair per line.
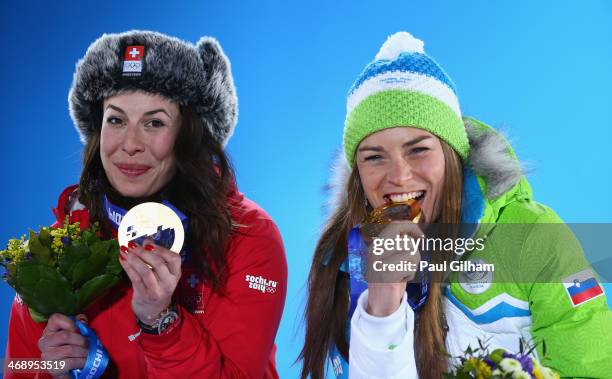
492, 170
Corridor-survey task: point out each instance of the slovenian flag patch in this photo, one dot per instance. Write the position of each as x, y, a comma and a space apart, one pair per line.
582, 287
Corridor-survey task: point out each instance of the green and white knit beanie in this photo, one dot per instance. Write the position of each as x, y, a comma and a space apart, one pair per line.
403, 86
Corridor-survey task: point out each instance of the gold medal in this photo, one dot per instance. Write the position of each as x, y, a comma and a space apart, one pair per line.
409, 210
152, 220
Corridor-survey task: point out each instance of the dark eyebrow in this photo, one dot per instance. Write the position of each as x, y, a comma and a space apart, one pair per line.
156, 111
371, 148
115, 108
415, 141
407, 144
146, 113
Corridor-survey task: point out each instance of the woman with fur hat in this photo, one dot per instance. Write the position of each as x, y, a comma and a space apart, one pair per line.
155, 114
407, 144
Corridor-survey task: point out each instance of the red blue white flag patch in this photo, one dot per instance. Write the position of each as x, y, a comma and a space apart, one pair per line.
582, 287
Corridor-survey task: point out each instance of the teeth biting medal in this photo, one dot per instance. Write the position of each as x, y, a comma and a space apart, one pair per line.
404, 210
155, 221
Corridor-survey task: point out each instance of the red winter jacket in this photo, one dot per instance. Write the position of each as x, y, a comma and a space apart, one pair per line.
220, 335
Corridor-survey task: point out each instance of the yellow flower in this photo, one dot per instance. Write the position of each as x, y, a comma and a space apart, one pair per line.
537, 372
69, 232
15, 250
483, 371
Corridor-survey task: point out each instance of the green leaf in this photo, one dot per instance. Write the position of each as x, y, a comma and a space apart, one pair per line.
89, 238
83, 271
38, 251
94, 265
10, 273
93, 289
99, 254
113, 266
99, 247
482, 347
37, 317
73, 254
497, 355
43, 289
44, 237
53, 298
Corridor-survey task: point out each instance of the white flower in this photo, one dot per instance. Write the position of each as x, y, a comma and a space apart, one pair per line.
521, 375
509, 365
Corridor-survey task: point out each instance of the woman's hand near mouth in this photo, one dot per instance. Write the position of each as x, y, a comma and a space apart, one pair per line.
386, 290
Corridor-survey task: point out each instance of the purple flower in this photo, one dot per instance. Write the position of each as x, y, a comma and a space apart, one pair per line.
66, 240
527, 364
490, 363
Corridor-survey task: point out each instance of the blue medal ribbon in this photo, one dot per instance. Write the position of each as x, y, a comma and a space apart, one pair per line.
97, 357
115, 214
357, 260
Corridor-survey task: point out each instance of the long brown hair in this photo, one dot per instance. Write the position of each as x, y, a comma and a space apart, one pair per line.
199, 188
328, 288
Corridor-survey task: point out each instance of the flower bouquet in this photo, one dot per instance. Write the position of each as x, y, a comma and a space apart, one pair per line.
61, 270
479, 363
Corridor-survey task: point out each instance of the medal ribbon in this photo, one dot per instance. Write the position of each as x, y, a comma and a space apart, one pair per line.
357, 260
97, 357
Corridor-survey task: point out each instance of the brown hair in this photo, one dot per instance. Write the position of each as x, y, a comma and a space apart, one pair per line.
198, 188
328, 288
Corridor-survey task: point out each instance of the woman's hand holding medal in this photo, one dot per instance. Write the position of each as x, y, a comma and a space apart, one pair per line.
154, 272
153, 269
390, 223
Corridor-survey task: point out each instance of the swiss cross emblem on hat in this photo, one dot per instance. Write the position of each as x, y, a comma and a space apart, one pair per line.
133, 59
134, 53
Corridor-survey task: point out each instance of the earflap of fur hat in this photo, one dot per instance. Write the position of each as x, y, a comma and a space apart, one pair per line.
222, 109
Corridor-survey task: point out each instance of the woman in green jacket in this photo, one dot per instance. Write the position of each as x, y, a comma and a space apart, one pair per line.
405, 138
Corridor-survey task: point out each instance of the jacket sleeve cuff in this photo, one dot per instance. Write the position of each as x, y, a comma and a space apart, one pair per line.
382, 346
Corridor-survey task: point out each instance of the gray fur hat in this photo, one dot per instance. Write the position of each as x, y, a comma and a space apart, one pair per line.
196, 76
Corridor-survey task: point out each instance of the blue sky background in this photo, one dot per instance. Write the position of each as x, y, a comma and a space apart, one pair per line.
539, 70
